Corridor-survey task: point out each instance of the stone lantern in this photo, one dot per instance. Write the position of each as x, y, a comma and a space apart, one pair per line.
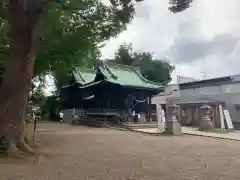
173, 127
205, 120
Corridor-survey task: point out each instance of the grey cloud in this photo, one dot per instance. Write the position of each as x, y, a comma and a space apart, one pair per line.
224, 44
142, 10
184, 38
190, 45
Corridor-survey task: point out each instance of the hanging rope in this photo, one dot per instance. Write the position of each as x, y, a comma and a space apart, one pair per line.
139, 101
133, 106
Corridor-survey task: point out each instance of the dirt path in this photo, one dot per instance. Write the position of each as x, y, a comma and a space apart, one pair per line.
104, 154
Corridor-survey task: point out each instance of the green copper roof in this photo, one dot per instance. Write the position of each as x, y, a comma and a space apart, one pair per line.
84, 76
126, 76
115, 73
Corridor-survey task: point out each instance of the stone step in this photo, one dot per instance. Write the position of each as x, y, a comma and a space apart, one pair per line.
132, 125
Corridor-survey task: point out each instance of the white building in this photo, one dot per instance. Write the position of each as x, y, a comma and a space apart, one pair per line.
224, 90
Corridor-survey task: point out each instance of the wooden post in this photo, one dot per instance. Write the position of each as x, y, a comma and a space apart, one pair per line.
180, 115
149, 109
34, 129
214, 116
221, 116
197, 115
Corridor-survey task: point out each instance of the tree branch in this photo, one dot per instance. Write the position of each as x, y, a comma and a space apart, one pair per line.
3, 10
179, 5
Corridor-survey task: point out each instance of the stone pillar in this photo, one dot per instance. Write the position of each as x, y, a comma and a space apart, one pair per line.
180, 120
173, 127
205, 120
149, 119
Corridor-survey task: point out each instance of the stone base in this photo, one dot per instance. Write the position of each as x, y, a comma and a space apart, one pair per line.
29, 131
115, 121
206, 125
142, 119
173, 128
105, 125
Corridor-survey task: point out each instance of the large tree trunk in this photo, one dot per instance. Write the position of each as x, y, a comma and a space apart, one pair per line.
24, 28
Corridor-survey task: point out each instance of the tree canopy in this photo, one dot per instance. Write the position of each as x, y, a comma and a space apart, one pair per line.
72, 32
153, 69
73, 29
176, 6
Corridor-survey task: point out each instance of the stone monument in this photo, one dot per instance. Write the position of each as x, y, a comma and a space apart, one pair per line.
205, 120
173, 127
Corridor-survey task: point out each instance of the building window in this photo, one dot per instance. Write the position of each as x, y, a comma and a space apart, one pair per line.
231, 88
237, 106
227, 90
207, 90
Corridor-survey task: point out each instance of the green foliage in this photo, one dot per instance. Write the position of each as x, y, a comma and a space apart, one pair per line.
72, 31
179, 5
51, 108
158, 71
4, 43
123, 55
38, 98
151, 68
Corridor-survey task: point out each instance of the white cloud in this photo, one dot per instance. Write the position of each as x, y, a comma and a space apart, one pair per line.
202, 38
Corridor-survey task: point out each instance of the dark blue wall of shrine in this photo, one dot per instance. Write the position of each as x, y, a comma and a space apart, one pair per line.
106, 95
140, 98
69, 96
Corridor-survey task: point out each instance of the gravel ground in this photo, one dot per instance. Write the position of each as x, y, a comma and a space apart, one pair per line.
106, 154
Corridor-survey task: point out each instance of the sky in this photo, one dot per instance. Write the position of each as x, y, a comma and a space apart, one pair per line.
204, 38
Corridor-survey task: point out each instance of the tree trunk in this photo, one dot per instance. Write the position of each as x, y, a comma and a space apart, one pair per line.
24, 26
